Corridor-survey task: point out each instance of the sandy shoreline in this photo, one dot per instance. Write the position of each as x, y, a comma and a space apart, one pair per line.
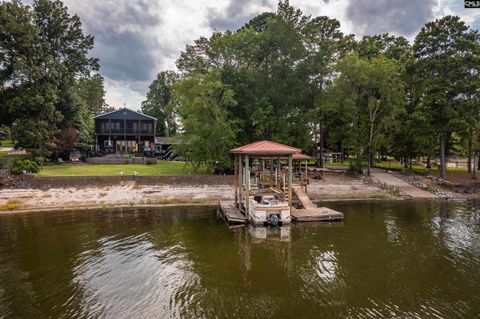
330, 187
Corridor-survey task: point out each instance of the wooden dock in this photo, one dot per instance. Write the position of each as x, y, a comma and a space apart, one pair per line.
316, 214
311, 212
232, 214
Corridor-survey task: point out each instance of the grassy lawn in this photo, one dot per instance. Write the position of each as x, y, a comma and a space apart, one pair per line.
398, 167
415, 169
6, 155
6, 143
164, 168
345, 163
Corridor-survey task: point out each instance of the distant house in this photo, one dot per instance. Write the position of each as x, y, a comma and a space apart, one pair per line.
3, 135
125, 131
163, 146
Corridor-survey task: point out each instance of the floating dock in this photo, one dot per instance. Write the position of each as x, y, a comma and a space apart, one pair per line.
310, 212
314, 215
232, 214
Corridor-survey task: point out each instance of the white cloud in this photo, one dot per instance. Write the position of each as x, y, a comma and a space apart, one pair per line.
135, 39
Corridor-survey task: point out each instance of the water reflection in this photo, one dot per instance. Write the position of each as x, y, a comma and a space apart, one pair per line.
389, 259
260, 234
116, 284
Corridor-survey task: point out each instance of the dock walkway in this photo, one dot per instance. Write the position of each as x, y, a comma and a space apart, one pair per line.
404, 187
310, 212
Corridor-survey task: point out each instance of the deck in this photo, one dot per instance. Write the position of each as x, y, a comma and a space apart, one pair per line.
311, 212
315, 214
232, 214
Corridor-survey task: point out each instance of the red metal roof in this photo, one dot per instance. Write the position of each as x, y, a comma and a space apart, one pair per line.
300, 156
265, 148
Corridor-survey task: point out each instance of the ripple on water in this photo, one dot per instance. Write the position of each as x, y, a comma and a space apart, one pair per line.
409, 261
130, 277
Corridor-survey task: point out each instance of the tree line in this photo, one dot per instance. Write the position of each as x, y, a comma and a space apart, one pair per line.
49, 85
299, 80
283, 76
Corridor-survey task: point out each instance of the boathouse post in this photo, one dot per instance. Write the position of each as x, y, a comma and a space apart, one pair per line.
235, 173
262, 175
278, 173
290, 180
240, 181
271, 173
247, 183
306, 175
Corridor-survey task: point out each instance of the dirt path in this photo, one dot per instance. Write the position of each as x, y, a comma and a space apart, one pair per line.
338, 185
406, 188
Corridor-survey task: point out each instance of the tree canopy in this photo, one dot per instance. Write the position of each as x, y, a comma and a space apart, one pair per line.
48, 87
299, 80
283, 76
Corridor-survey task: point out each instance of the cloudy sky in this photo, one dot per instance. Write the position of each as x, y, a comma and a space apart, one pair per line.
135, 39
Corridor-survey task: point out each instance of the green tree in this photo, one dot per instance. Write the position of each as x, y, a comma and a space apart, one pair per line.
440, 49
208, 133
44, 52
158, 101
374, 89
325, 45
92, 93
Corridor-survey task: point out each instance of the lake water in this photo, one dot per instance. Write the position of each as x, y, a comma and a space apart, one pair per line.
386, 260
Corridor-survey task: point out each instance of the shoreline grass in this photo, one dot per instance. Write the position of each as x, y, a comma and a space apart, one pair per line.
162, 168
7, 143
416, 168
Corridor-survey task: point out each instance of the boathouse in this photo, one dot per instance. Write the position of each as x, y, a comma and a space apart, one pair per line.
125, 131
264, 194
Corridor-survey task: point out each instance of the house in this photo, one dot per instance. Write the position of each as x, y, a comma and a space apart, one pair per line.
125, 131
3, 135
163, 146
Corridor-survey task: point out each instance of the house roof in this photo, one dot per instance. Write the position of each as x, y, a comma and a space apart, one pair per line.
265, 148
300, 156
120, 113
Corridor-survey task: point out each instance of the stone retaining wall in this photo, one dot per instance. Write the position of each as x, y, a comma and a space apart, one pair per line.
29, 181
121, 160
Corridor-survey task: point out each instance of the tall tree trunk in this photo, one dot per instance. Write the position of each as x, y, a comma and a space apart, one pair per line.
317, 142
443, 164
343, 153
469, 160
475, 153
320, 157
474, 170
429, 164
370, 139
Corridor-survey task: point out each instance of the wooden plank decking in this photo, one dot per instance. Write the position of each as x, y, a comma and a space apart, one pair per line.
315, 214
232, 214
311, 212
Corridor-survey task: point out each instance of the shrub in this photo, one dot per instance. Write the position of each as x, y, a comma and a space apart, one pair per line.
19, 166
40, 160
356, 165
